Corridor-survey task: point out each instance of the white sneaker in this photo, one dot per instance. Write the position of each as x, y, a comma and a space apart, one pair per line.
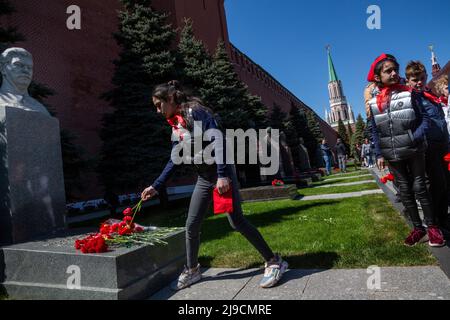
187, 278
273, 272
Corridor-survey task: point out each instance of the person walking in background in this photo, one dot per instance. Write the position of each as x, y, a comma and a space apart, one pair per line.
182, 112
341, 151
366, 153
442, 89
357, 155
327, 156
437, 142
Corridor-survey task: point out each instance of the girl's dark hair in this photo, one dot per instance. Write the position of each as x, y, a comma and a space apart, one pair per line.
380, 64
181, 98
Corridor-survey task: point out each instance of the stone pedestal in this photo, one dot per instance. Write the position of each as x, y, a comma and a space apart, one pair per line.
268, 193
32, 197
52, 269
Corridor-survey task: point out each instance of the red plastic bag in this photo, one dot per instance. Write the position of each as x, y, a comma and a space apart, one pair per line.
447, 159
223, 203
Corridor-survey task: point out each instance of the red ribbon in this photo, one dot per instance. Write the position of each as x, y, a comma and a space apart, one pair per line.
447, 159
437, 100
385, 94
175, 121
386, 178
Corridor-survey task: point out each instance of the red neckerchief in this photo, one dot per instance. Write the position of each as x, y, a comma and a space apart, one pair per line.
384, 97
175, 123
431, 97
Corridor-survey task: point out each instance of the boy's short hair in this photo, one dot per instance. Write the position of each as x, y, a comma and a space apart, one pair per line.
441, 83
380, 64
415, 69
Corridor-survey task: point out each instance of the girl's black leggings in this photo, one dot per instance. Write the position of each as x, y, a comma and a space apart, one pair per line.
200, 202
410, 179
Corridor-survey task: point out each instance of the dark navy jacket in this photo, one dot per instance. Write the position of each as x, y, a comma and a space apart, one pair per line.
437, 133
208, 122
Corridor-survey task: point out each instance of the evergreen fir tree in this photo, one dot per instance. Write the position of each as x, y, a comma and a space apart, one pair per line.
314, 126
358, 137
136, 140
316, 132
229, 97
342, 132
194, 63
349, 133
277, 118
293, 130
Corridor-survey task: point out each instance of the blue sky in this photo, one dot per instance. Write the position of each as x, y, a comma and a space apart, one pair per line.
288, 39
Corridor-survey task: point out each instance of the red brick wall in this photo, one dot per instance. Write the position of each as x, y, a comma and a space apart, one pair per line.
78, 64
262, 84
208, 17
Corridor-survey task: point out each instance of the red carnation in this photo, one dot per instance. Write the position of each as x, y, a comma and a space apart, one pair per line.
115, 227
447, 159
105, 229
386, 178
139, 229
128, 212
125, 231
127, 219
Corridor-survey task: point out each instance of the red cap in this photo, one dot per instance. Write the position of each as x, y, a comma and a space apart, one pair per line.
371, 75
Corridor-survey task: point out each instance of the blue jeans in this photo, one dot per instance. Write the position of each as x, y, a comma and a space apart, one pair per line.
327, 164
342, 163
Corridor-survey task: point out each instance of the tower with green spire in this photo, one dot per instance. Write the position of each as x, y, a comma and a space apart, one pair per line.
340, 109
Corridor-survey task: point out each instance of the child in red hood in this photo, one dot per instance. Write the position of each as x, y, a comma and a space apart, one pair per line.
399, 127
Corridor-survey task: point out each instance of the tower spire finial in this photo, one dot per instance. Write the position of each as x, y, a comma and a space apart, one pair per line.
331, 71
434, 63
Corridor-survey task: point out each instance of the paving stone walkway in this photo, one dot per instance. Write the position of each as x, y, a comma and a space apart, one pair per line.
405, 283
386, 283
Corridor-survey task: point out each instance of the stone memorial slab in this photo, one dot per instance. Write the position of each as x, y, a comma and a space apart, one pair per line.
31, 176
33, 209
48, 269
267, 193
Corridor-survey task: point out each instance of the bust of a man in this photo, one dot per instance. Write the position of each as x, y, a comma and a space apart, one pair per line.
16, 65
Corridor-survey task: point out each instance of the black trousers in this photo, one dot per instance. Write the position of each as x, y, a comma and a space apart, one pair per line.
410, 177
436, 170
198, 208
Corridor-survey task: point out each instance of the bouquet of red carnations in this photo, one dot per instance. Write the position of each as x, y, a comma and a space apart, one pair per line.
447, 159
98, 243
386, 178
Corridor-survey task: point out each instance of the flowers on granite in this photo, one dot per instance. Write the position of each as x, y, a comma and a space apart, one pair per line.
277, 183
98, 243
386, 178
